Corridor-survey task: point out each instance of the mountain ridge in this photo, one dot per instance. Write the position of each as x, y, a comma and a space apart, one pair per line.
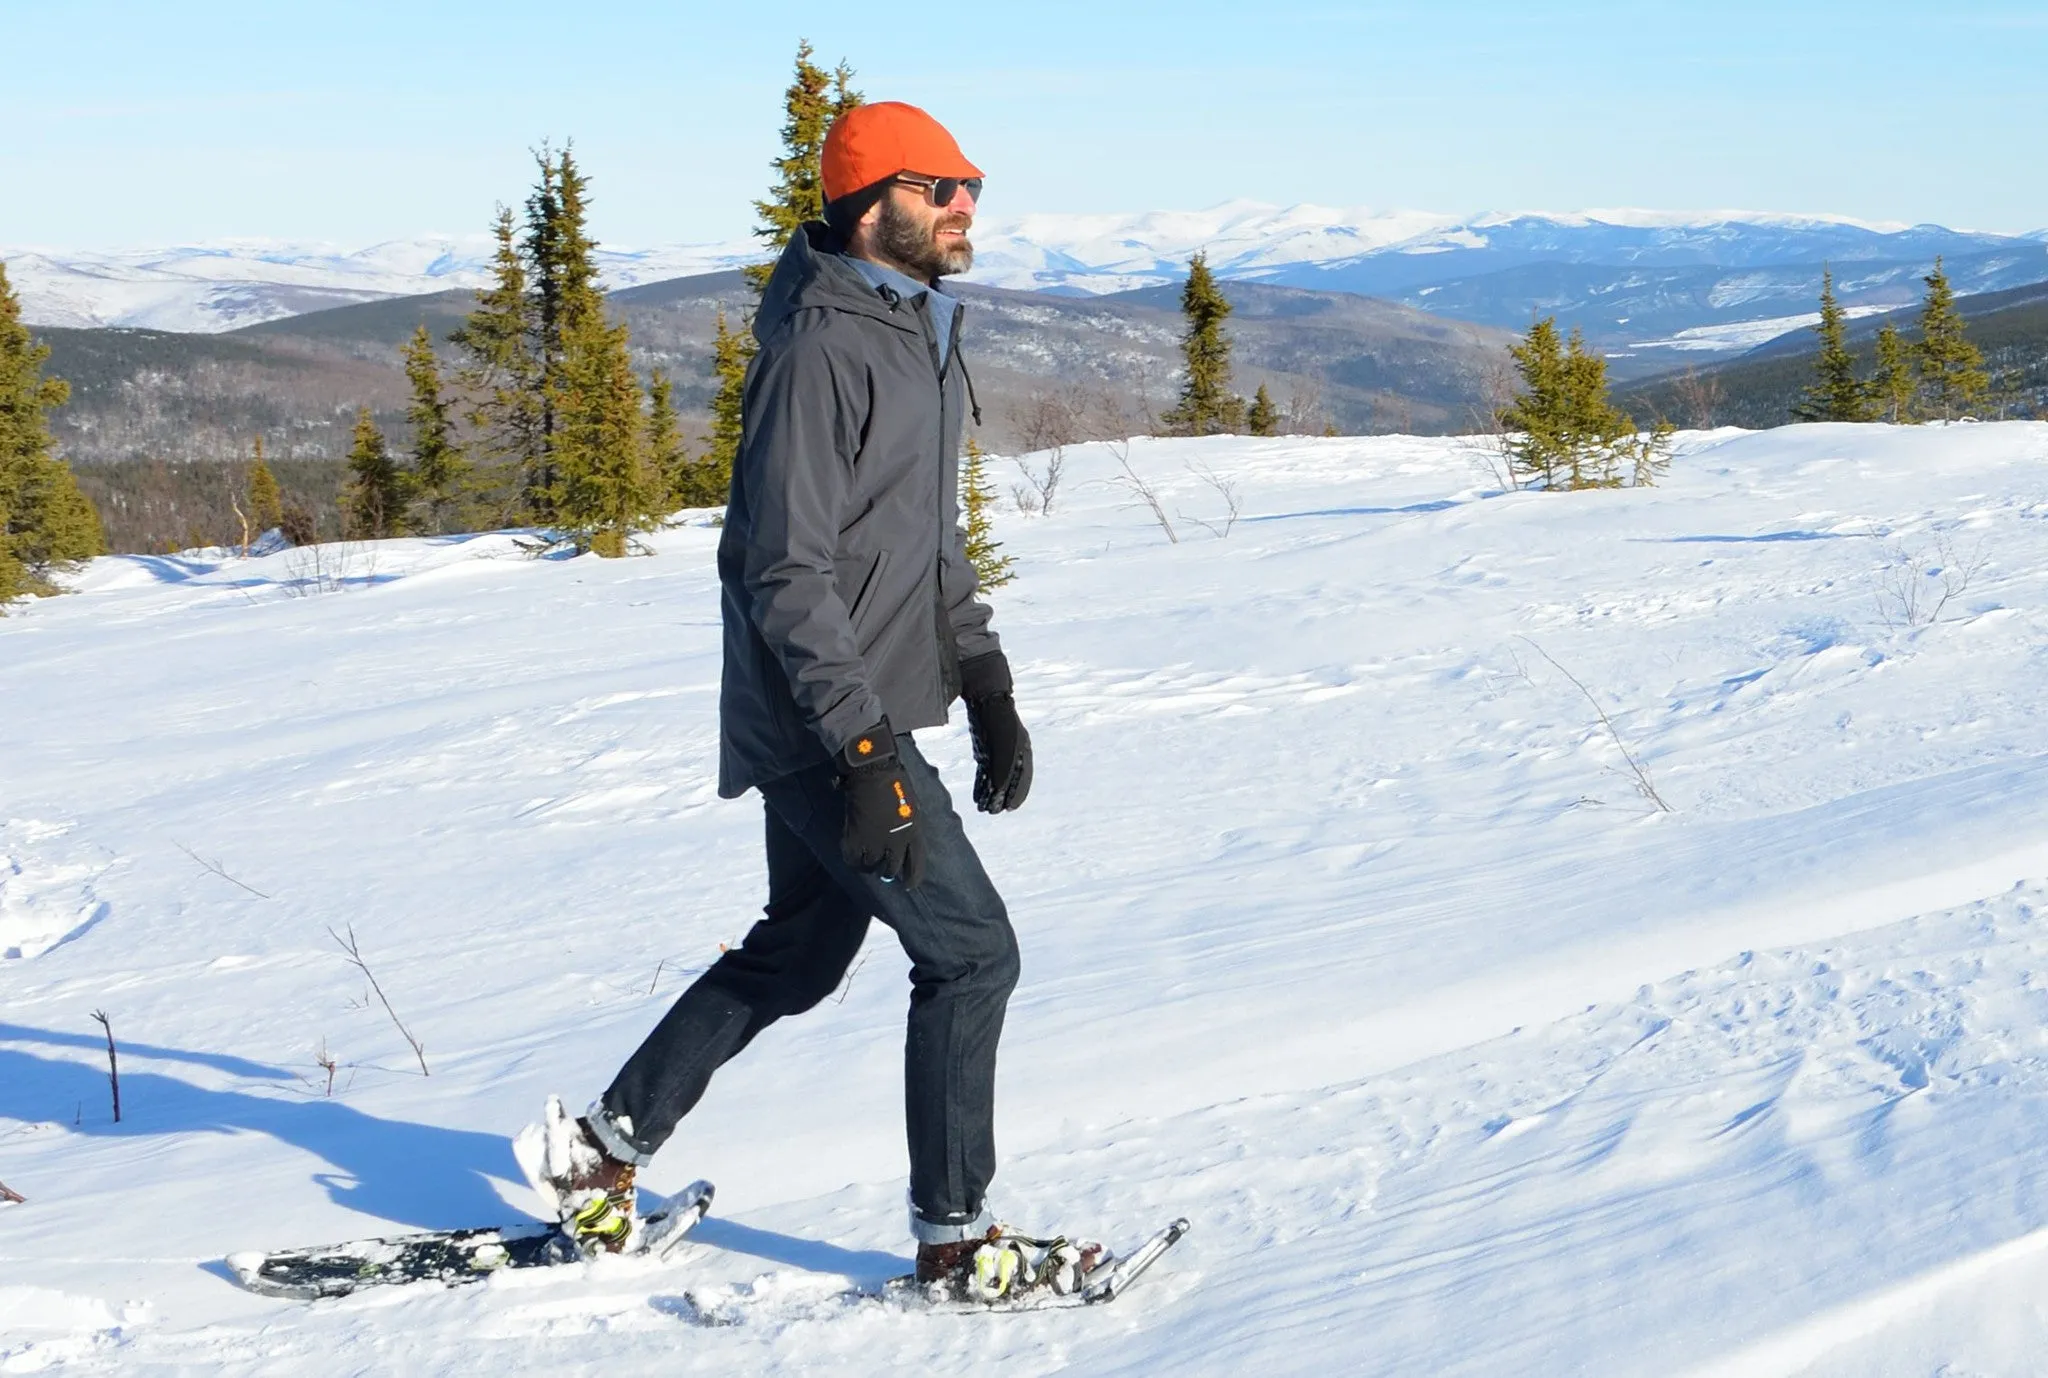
210, 287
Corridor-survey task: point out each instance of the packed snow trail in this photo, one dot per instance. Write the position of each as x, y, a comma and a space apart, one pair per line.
1347, 932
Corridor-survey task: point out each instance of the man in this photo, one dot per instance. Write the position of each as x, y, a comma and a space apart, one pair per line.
851, 618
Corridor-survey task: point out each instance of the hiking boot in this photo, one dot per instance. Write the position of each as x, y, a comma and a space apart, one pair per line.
1004, 1264
589, 1191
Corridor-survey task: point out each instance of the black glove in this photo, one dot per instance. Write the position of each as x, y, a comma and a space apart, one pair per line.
881, 832
1002, 748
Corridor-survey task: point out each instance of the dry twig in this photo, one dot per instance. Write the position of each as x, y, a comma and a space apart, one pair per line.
1141, 490
215, 867
355, 956
113, 1062
1648, 790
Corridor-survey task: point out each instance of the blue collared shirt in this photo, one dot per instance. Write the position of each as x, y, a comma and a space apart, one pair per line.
944, 307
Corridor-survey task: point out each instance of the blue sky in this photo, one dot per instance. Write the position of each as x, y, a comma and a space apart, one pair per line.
137, 124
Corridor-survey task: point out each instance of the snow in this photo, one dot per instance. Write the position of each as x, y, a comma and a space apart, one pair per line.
1733, 336
1347, 931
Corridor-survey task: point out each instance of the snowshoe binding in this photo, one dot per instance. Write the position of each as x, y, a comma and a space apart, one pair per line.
1005, 1265
587, 1189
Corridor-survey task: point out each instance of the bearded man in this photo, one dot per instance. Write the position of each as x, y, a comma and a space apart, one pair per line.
851, 619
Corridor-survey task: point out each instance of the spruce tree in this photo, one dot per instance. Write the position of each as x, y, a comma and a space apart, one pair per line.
667, 458
730, 353
373, 501
500, 377
1206, 406
603, 490
1951, 368
1895, 386
266, 504
563, 275
815, 99
1835, 395
1563, 432
1262, 418
977, 497
47, 525
438, 467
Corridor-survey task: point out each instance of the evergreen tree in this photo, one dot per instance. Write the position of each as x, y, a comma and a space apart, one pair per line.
814, 99
603, 490
373, 501
266, 503
1206, 406
563, 274
667, 458
438, 466
500, 377
1262, 418
46, 524
1895, 386
1563, 432
978, 497
1835, 394
1951, 368
730, 353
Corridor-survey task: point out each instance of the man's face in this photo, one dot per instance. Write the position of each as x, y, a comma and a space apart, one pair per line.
929, 240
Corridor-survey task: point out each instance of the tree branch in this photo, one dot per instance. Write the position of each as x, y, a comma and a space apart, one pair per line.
113, 1062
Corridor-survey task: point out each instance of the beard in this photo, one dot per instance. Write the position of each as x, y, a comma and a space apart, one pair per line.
914, 243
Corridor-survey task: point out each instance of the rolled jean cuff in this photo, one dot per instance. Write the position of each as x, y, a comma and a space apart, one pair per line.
950, 1232
612, 1137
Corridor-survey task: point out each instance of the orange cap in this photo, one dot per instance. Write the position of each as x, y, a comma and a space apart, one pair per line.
872, 142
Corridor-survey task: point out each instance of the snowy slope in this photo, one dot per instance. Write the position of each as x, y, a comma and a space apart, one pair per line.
1346, 931
221, 286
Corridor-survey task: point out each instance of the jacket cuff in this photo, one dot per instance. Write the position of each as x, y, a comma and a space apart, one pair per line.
985, 676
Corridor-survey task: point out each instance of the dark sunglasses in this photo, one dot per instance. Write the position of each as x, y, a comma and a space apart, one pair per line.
940, 191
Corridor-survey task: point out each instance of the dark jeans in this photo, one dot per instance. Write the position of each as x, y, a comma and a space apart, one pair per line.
963, 965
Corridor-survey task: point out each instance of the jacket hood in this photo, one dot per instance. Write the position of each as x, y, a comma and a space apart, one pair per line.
813, 274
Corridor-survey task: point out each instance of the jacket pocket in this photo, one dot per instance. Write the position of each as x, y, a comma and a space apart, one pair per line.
864, 600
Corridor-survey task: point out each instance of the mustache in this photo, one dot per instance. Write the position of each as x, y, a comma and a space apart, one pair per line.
953, 221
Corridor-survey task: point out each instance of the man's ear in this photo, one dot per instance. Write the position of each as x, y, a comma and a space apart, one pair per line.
872, 215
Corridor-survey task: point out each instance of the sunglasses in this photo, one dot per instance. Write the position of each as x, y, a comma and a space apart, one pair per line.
940, 191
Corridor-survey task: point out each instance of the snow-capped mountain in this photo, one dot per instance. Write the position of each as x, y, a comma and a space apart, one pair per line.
222, 286
1709, 269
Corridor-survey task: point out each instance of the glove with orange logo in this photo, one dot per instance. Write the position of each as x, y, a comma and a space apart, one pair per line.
881, 832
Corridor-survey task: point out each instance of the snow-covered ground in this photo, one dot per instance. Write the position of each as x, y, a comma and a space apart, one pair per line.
1740, 335
1348, 932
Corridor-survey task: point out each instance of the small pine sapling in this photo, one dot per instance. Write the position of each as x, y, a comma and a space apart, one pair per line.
977, 498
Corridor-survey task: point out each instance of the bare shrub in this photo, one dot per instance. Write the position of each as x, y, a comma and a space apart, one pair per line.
1699, 397
328, 567
1914, 587
1304, 412
1141, 492
1046, 423
1233, 501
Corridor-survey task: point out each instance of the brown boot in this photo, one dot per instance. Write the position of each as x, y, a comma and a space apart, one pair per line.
589, 1191
948, 1263
604, 1189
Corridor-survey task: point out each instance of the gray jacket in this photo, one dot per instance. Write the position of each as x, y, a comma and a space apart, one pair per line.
845, 588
